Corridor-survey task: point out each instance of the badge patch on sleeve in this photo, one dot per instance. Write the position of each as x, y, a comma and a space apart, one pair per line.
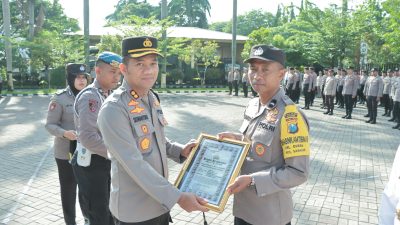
92, 105
52, 106
294, 133
260, 149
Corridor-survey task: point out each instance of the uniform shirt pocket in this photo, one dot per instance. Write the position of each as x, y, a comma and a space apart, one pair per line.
261, 143
144, 132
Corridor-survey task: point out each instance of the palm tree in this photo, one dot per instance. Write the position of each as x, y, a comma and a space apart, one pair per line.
190, 13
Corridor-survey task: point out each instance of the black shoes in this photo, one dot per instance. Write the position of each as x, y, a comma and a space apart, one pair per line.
368, 121
367, 115
330, 113
397, 126
344, 117
326, 112
391, 120
348, 117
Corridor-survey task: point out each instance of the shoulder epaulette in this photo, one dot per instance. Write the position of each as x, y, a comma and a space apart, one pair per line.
287, 100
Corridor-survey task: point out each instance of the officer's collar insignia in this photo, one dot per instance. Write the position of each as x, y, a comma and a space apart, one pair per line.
147, 43
260, 150
156, 103
82, 68
136, 108
114, 63
134, 94
258, 51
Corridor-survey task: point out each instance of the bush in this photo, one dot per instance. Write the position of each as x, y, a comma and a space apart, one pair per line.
214, 76
175, 75
57, 78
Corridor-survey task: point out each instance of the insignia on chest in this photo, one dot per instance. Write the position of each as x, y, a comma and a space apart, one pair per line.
272, 115
140, 118
136, 108
266, 126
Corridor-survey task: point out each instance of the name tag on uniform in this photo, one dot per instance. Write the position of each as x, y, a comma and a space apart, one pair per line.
84, 155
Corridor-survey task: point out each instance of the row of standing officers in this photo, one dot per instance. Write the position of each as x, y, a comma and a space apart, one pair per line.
348, 85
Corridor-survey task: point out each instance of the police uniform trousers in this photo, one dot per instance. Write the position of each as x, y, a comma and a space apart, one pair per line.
361, 94
372, 108
239, 221
297, 92
386, 102
68, 190
329, 102
94, 184
289, 92
312, 96
339, 96
348, 102
230, 87
307, 95
245, 89
323, 95
164, 219
236, 87
396, 112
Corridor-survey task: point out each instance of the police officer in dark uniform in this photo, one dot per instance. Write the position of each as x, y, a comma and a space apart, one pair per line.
373, 90
60, 123
90, 162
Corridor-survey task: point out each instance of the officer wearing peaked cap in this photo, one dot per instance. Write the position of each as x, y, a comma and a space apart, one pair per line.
90, 162
275, 163
60, 123
373, 90
132, 123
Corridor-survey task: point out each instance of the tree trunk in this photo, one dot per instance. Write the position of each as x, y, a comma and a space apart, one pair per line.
7, 34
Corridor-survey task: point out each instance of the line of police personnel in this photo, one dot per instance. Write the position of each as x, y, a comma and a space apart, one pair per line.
349, 87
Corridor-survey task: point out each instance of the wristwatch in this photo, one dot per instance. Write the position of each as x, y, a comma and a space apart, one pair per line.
253, 182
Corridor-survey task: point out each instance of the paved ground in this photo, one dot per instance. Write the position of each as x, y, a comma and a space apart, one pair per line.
349, 168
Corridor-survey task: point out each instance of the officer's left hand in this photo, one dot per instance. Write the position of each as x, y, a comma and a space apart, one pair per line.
241, 182
354, 96
188, 148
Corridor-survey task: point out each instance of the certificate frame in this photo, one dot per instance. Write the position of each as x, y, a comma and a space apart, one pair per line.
207, 174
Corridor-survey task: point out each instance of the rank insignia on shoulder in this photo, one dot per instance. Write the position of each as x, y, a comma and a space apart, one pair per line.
260, 149
144, 144
52, 106
134, 94
136, 108
92, 105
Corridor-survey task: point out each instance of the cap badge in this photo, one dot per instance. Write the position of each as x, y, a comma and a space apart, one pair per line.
82, 68
114, 63
147, 43
258, 51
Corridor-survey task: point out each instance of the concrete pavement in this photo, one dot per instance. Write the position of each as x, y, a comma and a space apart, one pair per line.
350, 160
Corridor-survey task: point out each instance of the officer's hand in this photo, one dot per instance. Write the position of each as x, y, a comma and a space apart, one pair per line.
70, 135
241, 182
188, 148
190, 202
229, 135
378, 99
354, 96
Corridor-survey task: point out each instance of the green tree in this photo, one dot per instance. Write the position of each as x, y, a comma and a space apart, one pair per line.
127, 8
246, 23
201, 54
190, 13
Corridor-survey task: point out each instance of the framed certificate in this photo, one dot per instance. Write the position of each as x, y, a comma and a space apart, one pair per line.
211, 166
